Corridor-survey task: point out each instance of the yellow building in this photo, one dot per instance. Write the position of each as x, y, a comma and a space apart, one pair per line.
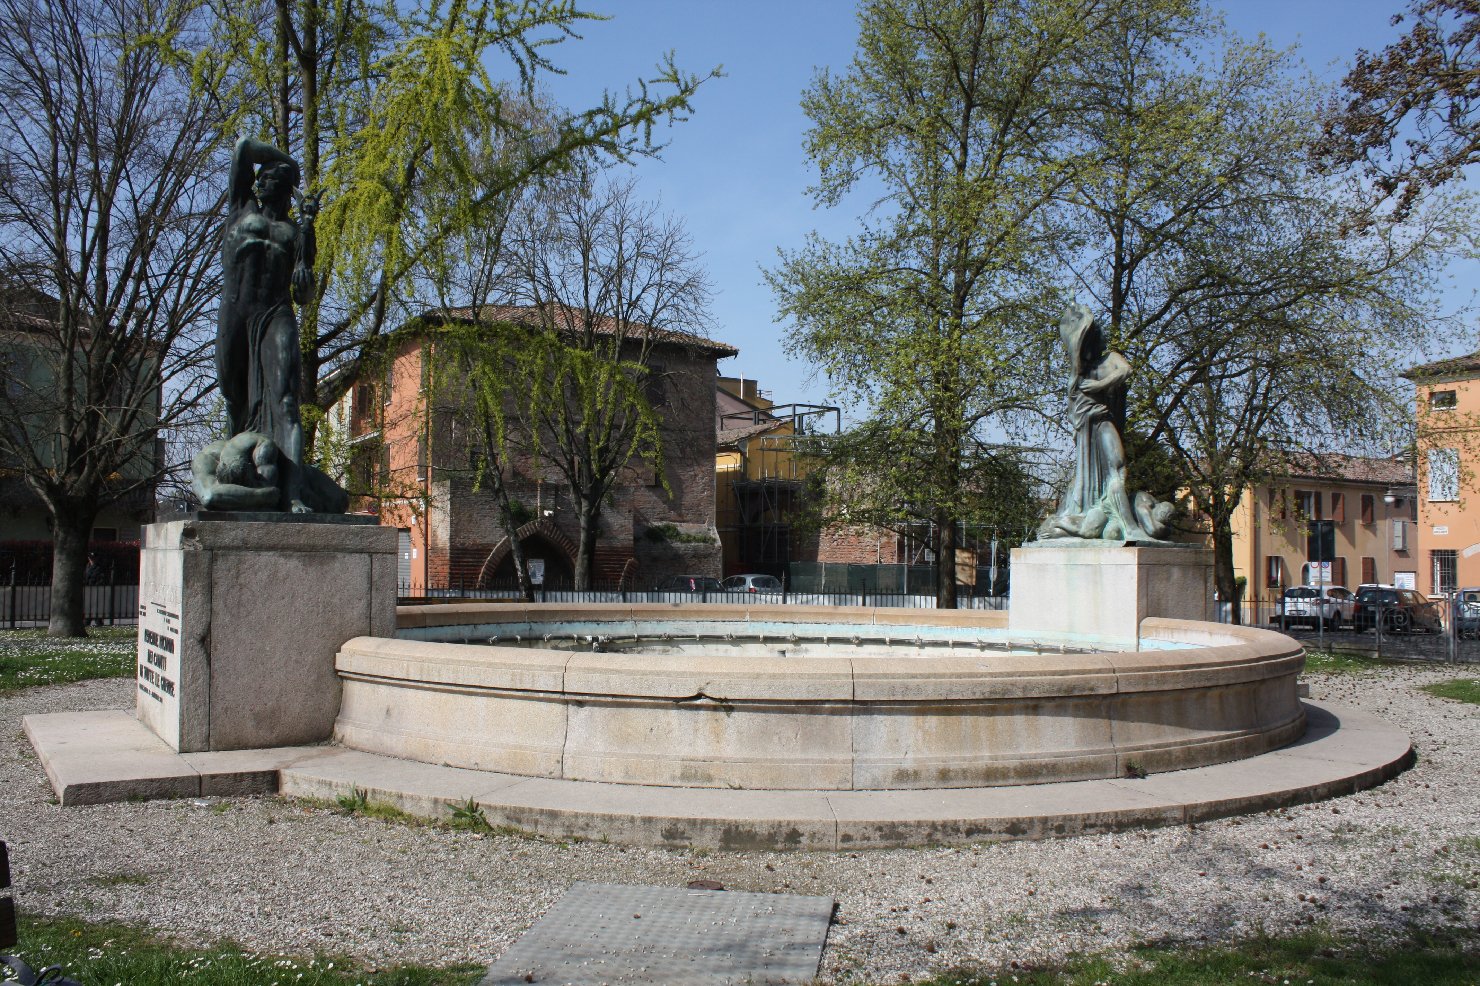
1371, 509
1448, 418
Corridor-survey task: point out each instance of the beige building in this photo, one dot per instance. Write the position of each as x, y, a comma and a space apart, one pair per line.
1368, 505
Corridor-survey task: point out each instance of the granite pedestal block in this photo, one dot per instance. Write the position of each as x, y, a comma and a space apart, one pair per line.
1104, 589
239, 623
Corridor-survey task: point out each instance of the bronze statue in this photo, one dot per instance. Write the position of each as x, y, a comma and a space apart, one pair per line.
1097, 504
267, 262
244, 473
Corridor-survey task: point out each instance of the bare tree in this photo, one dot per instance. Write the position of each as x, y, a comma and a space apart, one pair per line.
1411, 112
604, 278
108, 196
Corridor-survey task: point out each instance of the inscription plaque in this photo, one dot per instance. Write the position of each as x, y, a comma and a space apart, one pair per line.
158, 668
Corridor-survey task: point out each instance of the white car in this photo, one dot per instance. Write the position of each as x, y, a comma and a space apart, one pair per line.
1314, 605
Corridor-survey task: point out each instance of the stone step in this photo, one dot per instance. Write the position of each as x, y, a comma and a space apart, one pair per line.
92, 757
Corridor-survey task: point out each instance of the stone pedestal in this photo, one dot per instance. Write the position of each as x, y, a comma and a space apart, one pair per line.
239, 622
1105, 589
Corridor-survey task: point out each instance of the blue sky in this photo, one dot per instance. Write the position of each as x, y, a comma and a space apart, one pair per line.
736, 173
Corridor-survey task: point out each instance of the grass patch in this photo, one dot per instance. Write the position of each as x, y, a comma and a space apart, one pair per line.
29, 657
119, 880
105, 954
1334, 662
1458, 689
466, 817
1314, 957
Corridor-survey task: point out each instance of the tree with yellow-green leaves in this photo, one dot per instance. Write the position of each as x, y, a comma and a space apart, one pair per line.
955, 122
411, 138
1263, 312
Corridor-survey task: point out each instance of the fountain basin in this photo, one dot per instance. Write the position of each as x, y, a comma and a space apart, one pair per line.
883, 713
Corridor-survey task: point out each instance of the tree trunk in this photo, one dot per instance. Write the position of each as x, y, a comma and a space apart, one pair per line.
1223, 577
506, 519
70, 529
590, 517
945, 561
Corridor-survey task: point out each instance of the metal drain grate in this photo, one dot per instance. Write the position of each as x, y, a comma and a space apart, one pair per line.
600, 933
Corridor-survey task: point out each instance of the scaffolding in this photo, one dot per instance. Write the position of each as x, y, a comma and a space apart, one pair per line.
767, 483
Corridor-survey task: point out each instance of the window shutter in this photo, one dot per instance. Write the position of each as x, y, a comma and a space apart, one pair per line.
1443, 474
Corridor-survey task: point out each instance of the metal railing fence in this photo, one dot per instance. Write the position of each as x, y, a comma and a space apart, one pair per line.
29, 604
415, 592
1391, 635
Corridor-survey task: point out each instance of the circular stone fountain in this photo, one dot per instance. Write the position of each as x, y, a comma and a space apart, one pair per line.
815, 699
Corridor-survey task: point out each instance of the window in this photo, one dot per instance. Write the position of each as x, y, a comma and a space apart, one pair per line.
1277, 503
655, 385
1320, 540
1307, 505
1443, 474
1338, 572
1369, 571
1369, 508
1400, 535
15, 370
1274, 571
1338, 507
1442, 562
1442, 400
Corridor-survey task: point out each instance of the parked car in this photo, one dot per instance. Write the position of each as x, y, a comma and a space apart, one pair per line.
1467, 612
689, 583
1400, 610
1331, 605
752, 583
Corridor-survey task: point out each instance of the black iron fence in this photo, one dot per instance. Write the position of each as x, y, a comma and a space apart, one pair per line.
416, 592
28, 604
1451, 633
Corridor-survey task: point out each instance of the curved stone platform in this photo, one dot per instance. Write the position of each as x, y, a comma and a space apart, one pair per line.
1341, 753
93, 757
864, 714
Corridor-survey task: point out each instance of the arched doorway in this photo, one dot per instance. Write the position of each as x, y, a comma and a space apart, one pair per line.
548, 552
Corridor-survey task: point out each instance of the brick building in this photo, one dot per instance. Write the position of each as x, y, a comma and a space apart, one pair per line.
414, 449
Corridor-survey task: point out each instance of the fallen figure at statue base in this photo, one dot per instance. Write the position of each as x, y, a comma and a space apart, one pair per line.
248, 472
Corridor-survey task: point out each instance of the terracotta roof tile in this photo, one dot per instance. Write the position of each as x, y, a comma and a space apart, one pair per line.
729, 436
1394, 471
1453, 366
572, 319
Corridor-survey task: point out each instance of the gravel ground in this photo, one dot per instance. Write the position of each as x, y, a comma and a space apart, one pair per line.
279, 876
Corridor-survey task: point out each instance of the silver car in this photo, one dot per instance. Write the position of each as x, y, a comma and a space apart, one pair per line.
1331, 605
752, 583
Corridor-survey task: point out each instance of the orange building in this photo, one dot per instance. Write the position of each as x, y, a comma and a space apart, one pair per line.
1448, 418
